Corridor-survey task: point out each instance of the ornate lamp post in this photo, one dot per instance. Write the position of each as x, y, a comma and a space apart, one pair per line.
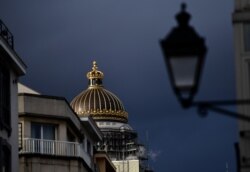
184, 53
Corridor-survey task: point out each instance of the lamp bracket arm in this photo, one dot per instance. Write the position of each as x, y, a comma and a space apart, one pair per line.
204, 106
222, 102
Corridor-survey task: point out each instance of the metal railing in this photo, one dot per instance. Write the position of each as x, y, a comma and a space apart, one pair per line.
6, 34
55, 147
20, 135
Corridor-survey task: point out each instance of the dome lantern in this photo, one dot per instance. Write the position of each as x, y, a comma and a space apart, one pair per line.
95, 76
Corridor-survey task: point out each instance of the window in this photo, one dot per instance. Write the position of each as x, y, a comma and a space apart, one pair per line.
5, 155
246, 37
6, 166
95, 82
70, 136
89, 147
5, 98
43, 136
43, 131
83, 142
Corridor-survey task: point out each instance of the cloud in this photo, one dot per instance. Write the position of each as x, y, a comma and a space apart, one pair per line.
153, 154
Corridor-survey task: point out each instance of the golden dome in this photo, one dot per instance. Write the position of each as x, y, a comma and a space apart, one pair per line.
98, 102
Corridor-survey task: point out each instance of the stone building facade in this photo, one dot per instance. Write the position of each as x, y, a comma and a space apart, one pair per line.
241, 25
52, 136
11, 68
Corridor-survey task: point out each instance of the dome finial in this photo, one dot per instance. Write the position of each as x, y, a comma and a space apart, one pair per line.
183, 17
95, 73
94, 68
183, 6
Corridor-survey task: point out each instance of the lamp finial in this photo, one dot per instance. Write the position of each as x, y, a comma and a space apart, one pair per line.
183, 6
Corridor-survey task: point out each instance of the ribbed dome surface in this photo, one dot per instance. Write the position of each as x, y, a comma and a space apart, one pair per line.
98, 102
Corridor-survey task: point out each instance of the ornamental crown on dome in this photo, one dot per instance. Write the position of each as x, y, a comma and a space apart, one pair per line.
95, 73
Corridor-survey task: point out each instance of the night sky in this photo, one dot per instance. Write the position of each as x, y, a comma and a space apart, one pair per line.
58, 40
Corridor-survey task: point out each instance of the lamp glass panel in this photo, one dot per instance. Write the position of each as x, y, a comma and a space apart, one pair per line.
184, 69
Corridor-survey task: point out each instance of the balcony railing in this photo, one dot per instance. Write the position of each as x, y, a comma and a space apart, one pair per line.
54, 147
6, 34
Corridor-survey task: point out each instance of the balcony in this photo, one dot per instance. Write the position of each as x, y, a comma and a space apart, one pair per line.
6, 34
55, 148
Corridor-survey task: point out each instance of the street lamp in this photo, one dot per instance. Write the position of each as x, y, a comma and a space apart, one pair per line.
184, 53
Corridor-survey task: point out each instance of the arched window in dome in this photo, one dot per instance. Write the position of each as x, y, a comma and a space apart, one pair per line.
95, 81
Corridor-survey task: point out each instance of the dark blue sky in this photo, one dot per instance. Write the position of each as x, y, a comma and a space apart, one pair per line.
58, 40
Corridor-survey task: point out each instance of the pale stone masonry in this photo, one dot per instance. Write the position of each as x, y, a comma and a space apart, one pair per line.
54, 139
